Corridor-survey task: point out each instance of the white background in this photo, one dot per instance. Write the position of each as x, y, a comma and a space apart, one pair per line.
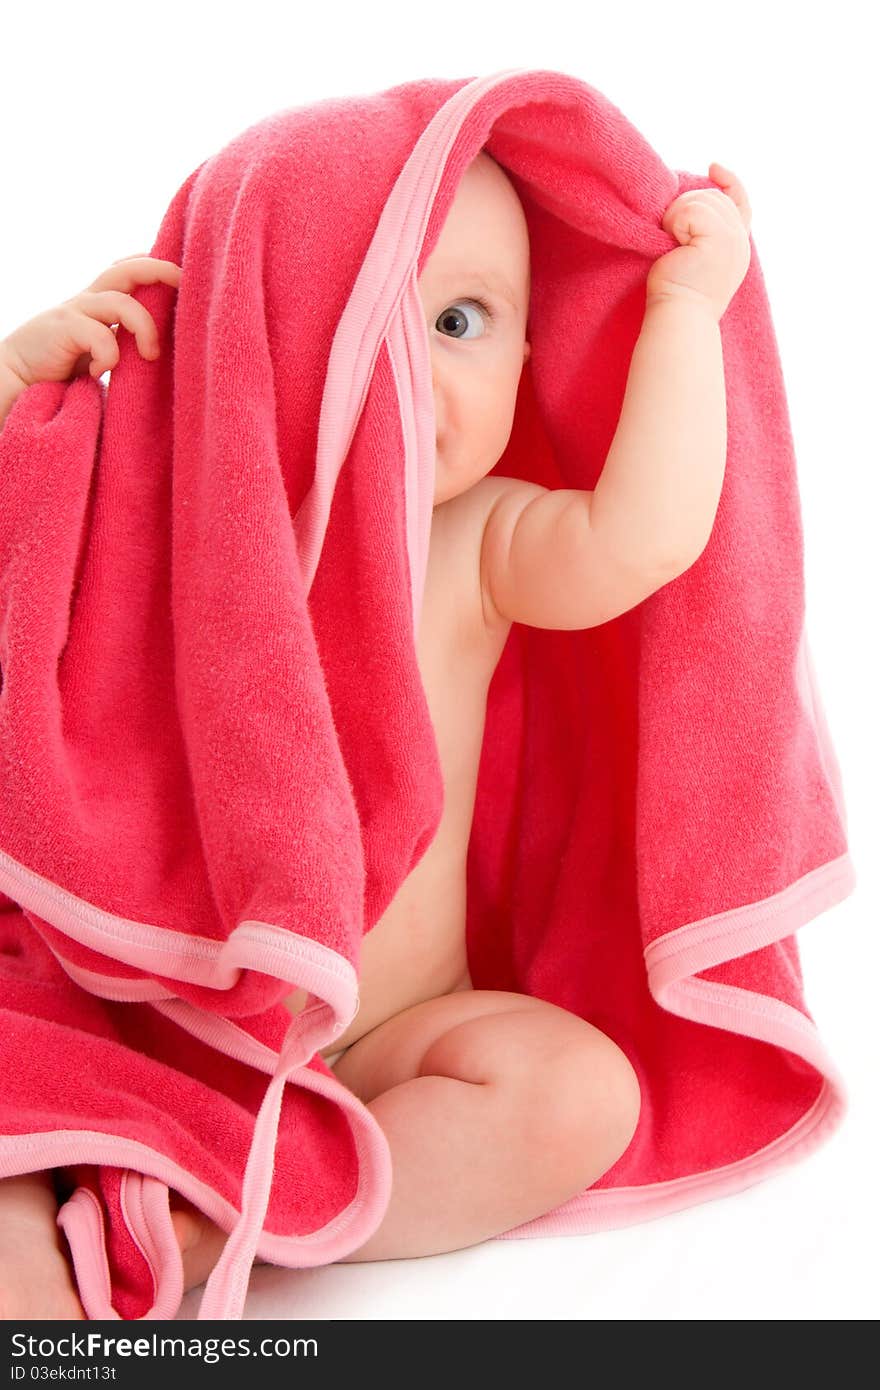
105, 110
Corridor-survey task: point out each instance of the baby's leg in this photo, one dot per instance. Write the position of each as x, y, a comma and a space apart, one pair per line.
497, 1107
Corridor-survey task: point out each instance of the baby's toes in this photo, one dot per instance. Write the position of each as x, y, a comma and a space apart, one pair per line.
199, 1239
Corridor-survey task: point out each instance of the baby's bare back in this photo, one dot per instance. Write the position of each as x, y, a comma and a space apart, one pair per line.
416, 950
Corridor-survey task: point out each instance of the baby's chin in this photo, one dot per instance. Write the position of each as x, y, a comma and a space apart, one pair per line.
451, 483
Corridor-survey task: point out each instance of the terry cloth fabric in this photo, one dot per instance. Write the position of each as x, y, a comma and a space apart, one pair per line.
218, 762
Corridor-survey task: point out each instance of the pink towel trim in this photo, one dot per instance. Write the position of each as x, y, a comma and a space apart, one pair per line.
673, 962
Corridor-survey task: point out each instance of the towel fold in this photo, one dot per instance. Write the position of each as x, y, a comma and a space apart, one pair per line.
217, 759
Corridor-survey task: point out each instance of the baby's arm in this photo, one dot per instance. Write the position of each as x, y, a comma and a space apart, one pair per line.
566, 559
660, 487
573, 559
664, 472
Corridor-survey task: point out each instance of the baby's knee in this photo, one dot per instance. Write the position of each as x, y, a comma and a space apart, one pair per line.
587, 1102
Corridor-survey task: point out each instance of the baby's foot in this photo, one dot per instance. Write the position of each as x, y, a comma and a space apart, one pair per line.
37, 1279
200, 1240
36, 1276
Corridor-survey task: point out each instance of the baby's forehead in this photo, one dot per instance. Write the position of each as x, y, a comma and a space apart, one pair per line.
484, 235
490, 184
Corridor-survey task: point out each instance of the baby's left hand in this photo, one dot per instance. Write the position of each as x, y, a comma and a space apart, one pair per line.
713, 226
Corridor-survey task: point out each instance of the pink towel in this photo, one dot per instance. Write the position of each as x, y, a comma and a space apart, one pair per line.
218, 764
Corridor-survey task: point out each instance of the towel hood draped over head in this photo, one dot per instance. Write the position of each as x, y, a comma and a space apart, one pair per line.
218, 764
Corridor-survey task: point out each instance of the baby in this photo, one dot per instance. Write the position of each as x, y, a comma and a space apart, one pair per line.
456, 1076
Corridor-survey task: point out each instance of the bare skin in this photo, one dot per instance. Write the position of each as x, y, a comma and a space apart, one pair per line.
457, 1077
35, 1276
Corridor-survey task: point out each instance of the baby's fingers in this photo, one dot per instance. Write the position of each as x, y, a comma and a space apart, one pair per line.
99, 348
693, 214
131, 271
732, 186
112, 306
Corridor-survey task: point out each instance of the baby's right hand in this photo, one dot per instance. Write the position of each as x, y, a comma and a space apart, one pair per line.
79, 335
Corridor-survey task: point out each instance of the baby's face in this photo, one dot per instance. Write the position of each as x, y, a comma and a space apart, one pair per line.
477, 353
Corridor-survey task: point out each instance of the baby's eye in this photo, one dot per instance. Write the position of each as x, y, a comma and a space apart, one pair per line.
455, 314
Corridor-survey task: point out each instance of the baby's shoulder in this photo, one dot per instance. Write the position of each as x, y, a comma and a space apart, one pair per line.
458, 524
457, 530
468, 513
